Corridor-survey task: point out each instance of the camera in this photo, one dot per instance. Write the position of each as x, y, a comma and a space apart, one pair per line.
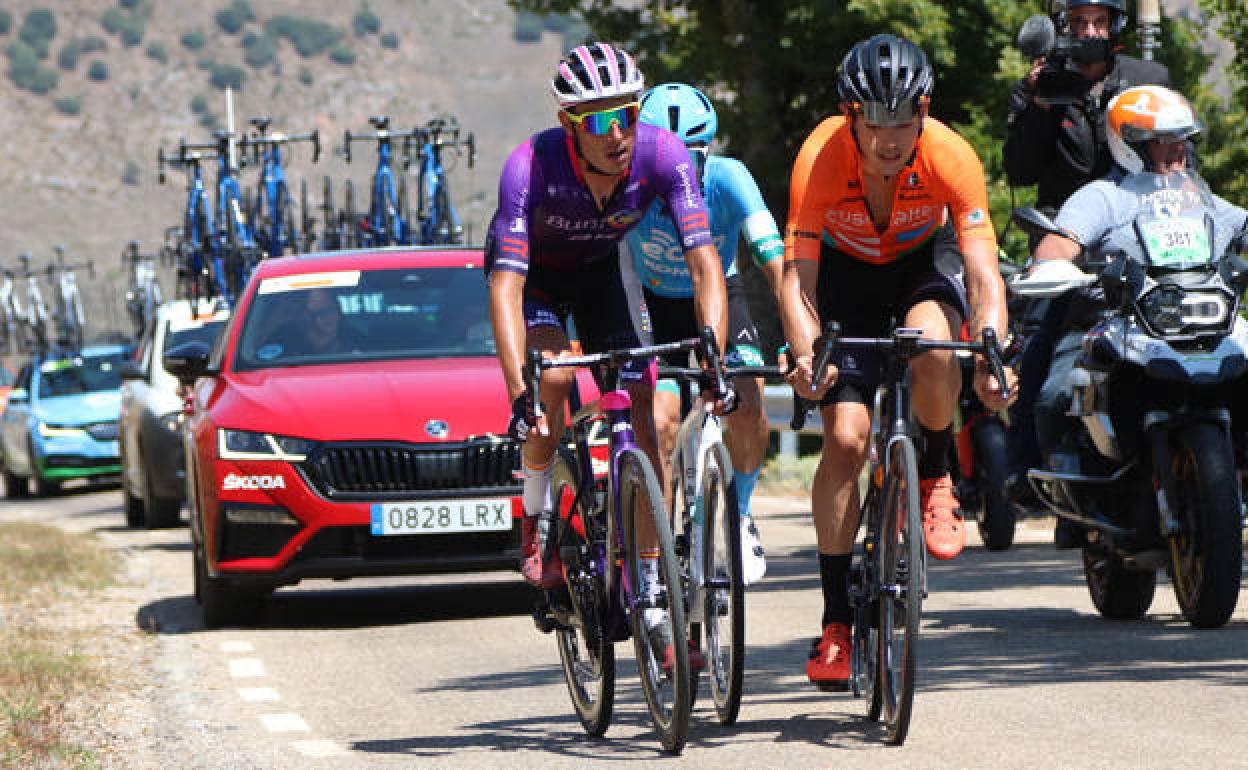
1060, 81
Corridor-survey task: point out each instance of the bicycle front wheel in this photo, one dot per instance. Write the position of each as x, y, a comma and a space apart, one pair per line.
587, 655
668, 695
724, 598
902, 582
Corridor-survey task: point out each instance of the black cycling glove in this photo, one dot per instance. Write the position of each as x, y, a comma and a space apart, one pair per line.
523, 417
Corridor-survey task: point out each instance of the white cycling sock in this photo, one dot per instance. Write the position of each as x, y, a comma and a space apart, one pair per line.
537, 487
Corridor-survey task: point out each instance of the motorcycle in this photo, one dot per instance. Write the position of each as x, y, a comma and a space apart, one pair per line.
1150, 472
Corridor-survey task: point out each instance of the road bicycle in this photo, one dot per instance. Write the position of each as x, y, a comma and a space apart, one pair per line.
201, 269
272, 212
14, 318
888, 571
143, 292
35, 319
69, 320
595, 530
439, 222
388, 221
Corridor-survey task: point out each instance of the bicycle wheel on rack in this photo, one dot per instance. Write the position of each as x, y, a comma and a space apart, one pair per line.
286, 210
667, 697
307, 225
351, 236
587, 655
330, 238
724, 609
902, 582
404, 234
76, 320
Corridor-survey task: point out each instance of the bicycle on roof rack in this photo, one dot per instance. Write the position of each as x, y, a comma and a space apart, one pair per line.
13, 317
201, 270
272, 214
35, 319
389, 220
69, 320
143, 294
439, 221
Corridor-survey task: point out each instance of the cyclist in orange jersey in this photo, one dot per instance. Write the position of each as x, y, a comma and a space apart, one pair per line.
888, 211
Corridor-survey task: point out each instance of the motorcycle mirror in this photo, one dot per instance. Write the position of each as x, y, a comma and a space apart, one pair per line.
1035, 222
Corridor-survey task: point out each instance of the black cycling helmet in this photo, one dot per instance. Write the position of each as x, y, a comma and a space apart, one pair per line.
1117, 8
885, 78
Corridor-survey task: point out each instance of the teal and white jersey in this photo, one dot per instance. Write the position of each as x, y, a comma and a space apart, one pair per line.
736, 208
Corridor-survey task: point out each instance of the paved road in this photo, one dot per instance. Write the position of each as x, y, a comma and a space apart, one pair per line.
1017, 671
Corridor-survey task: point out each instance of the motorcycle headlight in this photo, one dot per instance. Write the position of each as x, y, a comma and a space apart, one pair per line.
248, 445
1174, 311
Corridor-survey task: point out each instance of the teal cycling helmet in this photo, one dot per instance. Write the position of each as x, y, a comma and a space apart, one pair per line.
681, 109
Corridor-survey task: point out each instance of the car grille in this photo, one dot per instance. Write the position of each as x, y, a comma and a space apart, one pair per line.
103, 431
393, 470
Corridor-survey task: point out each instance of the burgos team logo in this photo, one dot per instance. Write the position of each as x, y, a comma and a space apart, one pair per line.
234, 482
622, 220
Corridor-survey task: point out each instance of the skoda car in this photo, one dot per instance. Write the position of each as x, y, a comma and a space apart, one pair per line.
60, 421
345, 425
153, 477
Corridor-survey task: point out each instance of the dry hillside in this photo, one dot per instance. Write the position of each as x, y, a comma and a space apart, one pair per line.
62, 179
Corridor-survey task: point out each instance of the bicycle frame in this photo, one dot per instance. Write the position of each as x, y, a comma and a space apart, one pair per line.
36, 316
439, 221
274, 194
199, 249
386, 223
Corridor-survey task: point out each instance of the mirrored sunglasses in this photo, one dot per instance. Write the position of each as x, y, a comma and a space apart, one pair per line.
599, 123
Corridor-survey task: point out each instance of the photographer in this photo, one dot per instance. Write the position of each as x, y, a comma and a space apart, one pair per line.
1056, 140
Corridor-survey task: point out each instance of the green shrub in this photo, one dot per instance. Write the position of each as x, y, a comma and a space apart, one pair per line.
310, 37
6, 21
156, 50
576, 33
556, 22
67, 59
199, 104
208, 120
194, 39
69, 105
93, 43
232, 19
127, 25
528, 27
343, 55
365, 22
40, 24
132, 32
113, 19
390, 40
130, 174
97, 71
25, 70
259, 51
305, 76
206, 62
228, 76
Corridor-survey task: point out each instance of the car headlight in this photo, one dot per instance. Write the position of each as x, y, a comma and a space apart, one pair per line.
248, 445
1171, 310
52, 430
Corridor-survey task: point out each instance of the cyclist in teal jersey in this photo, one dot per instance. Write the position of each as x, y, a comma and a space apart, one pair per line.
653, 250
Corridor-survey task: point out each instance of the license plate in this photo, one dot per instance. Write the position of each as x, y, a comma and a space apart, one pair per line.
435, 517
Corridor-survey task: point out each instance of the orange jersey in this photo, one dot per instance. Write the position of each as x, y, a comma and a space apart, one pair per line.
828, 205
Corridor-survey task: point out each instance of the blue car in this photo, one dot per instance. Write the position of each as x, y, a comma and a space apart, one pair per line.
60, 422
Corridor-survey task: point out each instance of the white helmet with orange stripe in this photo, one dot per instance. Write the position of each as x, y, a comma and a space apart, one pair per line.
1143, 113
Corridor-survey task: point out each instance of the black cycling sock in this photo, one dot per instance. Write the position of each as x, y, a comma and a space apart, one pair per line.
934, 455
834, 576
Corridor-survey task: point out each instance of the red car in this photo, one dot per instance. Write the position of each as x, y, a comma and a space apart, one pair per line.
345, 425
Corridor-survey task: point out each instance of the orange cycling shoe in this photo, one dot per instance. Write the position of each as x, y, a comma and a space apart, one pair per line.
828, 666
547, 574
942, 525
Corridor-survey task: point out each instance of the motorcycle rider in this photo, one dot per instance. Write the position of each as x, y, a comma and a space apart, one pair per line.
1148, 128
1060, 148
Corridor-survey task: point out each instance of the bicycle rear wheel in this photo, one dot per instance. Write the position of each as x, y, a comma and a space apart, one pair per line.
330, 234
724, 609
902, 581
587, 655
351, 231
667, 697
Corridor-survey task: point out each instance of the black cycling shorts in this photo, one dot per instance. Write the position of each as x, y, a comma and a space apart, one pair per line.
869, 300
674, 318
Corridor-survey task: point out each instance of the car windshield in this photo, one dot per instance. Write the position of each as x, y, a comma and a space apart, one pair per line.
80, 374
366, 315
205, 333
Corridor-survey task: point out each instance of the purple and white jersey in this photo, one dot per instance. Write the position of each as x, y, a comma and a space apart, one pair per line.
546, 217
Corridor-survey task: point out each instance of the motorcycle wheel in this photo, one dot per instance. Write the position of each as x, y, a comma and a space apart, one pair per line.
1117, 592
1206, 556
996, 517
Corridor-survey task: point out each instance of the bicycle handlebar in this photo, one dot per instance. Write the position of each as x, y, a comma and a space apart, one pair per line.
382, 134
273, 140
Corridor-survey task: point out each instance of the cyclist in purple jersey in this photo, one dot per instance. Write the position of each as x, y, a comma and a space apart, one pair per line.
566, 197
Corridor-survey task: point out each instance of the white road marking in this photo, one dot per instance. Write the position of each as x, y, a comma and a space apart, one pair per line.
236, 646
244, 668
258, 694
318, 748
284, 723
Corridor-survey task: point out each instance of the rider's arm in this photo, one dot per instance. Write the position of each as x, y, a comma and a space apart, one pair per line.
507, 264
710, 295
507, 318
758, 226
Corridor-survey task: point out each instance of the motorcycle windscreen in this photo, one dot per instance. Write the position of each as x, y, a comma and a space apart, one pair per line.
1174, 219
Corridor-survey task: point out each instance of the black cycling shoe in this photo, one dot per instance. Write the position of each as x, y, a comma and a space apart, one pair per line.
1069, 534
1020, 492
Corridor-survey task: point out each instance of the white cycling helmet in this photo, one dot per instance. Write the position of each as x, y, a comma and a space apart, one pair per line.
595, 71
